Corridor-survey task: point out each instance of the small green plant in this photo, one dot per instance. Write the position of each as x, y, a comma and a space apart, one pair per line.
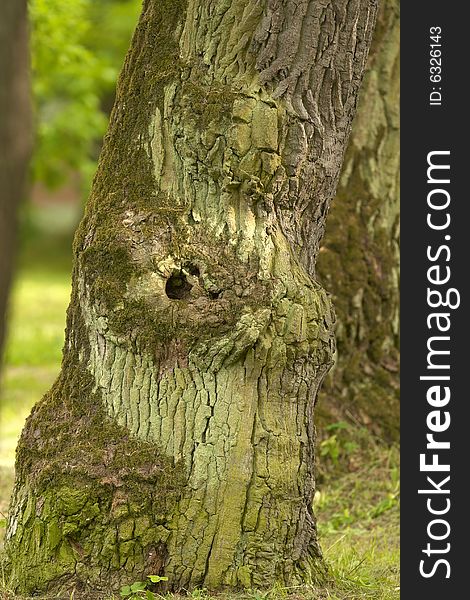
384, 505
139, 589
337, 445
341, 519
330, 448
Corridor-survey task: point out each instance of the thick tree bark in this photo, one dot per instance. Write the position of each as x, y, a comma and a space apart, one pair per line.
359, 260
15, 136
179, 437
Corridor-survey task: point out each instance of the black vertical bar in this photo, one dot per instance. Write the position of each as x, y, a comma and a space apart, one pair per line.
434, 118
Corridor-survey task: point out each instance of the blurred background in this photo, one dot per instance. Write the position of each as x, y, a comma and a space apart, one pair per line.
76, 51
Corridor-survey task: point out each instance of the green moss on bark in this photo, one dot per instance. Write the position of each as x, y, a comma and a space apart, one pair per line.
357, 266
205, 104
87, 495
179, 193
125, 180
359, 262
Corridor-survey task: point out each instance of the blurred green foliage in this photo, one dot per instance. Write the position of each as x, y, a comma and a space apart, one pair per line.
77, 50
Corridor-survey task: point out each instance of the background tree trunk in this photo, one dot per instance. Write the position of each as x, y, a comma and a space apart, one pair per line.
179, 437
15, 136
359, 260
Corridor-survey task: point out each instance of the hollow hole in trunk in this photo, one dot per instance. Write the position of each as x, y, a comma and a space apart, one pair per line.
191, 269
177, 286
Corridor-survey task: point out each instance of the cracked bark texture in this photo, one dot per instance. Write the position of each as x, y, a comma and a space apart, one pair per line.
179, 436
359, 259
15, 136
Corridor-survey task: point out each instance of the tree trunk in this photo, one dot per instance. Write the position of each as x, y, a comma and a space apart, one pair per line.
15, 138
179, 437
359, 260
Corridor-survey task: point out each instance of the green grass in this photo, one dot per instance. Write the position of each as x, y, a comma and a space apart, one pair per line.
32, 357
358, 521
357, 502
